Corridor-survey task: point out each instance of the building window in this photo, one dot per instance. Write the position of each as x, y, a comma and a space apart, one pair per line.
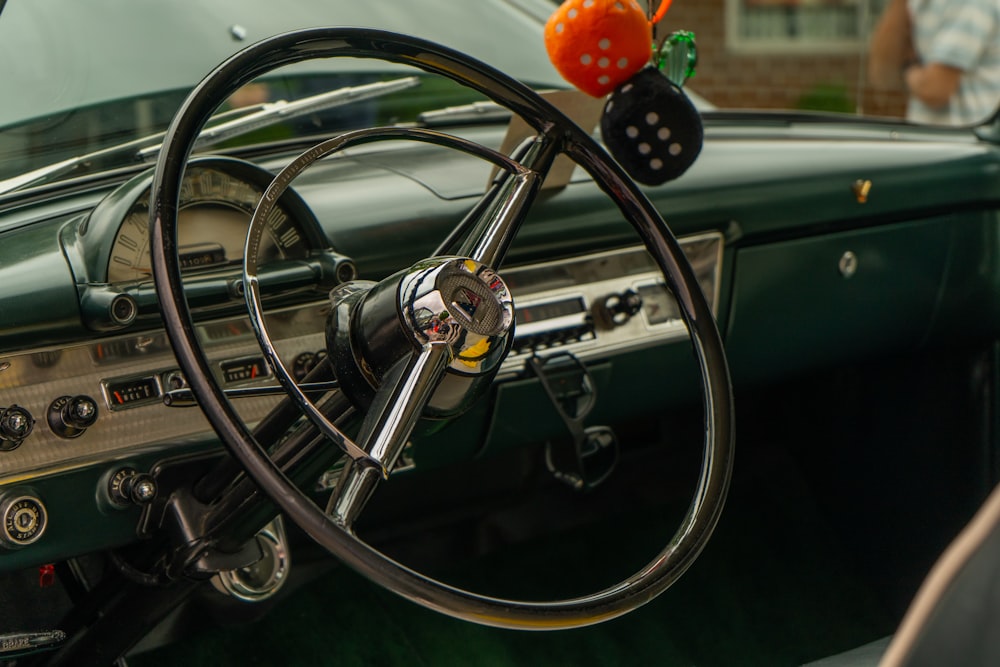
812, 26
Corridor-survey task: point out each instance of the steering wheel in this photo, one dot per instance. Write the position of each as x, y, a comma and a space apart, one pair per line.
447, 320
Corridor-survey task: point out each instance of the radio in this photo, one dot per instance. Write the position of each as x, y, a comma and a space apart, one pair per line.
604, 302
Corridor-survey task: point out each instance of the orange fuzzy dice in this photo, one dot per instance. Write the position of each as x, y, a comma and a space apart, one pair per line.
598, 44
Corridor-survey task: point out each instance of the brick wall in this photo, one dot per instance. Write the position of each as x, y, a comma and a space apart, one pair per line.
779, 81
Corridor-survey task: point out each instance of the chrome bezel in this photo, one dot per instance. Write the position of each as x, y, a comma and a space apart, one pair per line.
6, 505
237, 583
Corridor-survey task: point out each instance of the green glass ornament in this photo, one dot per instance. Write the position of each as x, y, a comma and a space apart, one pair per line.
678, 57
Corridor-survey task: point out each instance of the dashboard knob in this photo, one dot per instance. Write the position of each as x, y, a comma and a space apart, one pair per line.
70, 416
174, 380
23, 519
617, 309
305, 362
16, 424
128, 486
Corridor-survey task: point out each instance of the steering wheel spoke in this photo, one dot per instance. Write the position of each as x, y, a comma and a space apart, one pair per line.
399, 402
387, 426
491, 226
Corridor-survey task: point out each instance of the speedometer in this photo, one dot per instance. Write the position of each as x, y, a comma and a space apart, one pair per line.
213, 216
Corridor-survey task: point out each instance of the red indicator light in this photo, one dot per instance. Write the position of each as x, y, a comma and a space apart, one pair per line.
46, 575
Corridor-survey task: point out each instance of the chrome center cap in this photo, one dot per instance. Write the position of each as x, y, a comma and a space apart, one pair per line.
460, 302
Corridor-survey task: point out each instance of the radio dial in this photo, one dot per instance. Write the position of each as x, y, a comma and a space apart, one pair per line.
617, 309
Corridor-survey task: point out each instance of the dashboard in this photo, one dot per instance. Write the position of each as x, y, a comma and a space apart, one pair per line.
593, 306
102, 410
88, 367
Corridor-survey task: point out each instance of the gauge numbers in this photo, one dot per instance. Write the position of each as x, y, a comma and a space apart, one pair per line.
212, 220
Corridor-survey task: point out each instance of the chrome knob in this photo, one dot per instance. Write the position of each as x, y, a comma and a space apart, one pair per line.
128, 487
70, 416
16, 424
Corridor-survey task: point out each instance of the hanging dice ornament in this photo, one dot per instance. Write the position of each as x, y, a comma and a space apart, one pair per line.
597, 45
606, 46
651, 127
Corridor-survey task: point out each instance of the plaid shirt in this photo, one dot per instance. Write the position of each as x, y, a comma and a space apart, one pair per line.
964, 34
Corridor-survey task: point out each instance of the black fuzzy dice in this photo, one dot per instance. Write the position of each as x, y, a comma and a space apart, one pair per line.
651, 127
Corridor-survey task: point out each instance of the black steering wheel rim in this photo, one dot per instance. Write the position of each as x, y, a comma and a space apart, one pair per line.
706, 506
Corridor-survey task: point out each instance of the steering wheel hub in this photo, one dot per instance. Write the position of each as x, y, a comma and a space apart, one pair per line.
454, 302
460, 302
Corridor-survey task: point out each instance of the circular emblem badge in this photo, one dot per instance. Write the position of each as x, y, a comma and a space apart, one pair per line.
24, 520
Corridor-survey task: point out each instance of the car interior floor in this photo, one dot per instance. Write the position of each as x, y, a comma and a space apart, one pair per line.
848, 483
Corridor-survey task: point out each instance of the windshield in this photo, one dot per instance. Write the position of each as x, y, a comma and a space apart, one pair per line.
81, 76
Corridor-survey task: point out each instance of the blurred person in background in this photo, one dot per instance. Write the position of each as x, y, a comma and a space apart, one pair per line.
944, 53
